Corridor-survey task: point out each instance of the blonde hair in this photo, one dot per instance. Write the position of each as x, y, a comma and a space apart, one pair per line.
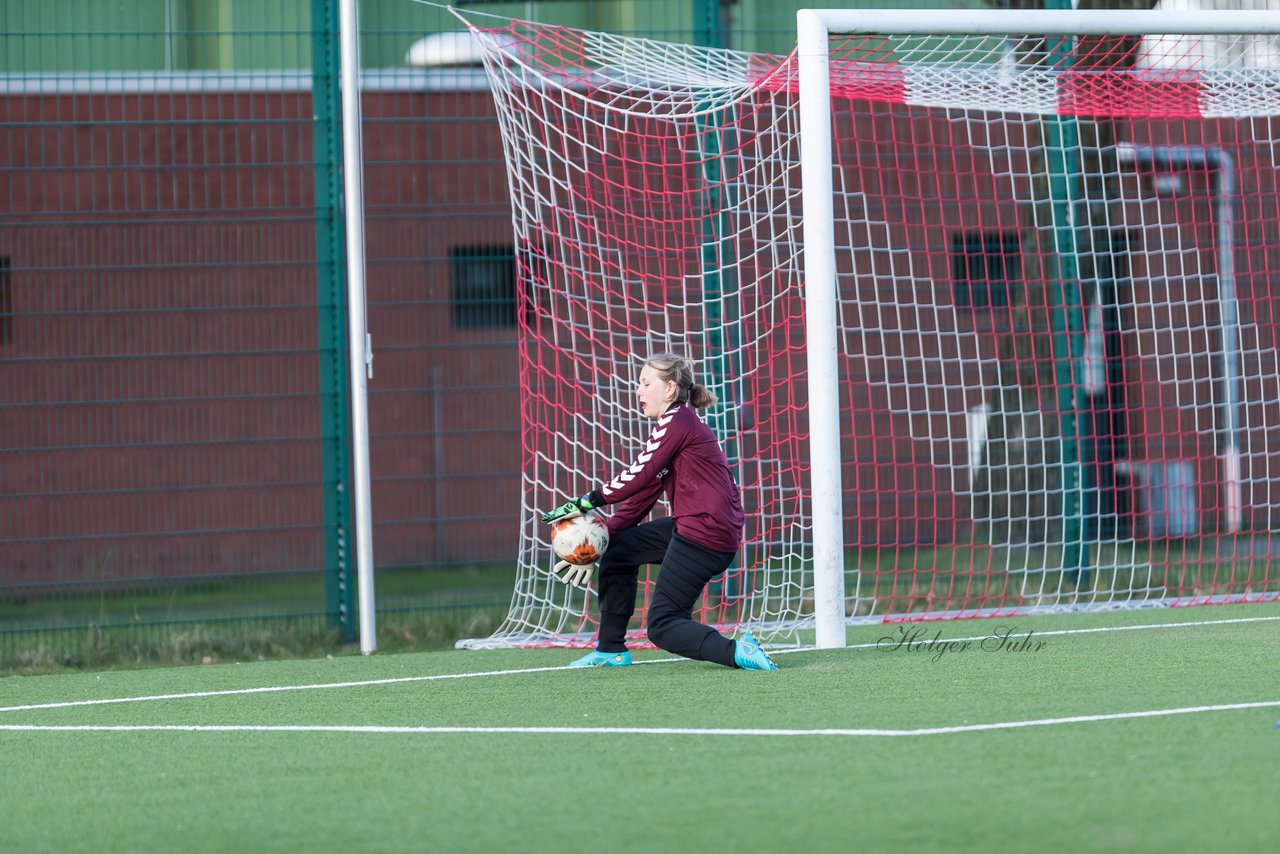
672, 367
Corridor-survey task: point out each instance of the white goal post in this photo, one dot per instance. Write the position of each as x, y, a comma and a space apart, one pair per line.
815, 28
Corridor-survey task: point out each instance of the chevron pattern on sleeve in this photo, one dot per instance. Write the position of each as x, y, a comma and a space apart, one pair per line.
645, 456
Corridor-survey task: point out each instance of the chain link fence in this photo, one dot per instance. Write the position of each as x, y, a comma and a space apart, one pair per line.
173, 423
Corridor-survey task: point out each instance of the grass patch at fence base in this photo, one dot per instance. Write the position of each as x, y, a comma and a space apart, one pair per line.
243, 619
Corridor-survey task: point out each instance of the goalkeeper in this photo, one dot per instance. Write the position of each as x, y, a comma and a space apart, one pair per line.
695, 544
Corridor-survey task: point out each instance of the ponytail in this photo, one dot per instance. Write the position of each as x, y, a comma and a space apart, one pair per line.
700, 397
672, 367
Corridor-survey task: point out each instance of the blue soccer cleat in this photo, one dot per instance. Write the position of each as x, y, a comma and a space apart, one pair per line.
596, 658
749, 655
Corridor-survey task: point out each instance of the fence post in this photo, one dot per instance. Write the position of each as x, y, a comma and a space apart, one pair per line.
1061, 147
331, 303
710, 23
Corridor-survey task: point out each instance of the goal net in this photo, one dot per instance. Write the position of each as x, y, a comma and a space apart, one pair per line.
1052, 262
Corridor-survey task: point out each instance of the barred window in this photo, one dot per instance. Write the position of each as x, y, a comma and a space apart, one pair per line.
484, 286
986, 266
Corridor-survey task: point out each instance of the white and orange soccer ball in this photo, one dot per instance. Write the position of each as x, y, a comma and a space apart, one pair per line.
580, 540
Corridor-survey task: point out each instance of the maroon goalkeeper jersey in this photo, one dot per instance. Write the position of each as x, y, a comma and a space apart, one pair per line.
683, 459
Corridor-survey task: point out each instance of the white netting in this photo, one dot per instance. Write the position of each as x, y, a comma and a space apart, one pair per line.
1038, 268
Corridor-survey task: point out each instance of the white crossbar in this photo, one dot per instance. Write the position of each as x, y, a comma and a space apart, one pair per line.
999, 22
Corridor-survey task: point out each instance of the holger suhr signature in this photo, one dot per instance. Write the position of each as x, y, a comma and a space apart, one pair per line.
918, 639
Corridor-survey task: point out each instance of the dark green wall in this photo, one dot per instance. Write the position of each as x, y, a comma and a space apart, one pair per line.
179, 35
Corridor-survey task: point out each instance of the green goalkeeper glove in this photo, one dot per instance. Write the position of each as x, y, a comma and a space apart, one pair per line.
578, 576
576, 507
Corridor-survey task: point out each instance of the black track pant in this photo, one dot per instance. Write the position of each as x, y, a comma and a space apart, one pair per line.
686, 569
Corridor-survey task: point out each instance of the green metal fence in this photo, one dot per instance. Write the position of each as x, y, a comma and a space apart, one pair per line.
174, 415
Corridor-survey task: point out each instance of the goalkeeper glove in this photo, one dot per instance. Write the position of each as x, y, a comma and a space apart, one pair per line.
576, 507
578, 576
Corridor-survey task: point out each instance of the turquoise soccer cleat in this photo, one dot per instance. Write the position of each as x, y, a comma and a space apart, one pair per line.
596, 658
749, 655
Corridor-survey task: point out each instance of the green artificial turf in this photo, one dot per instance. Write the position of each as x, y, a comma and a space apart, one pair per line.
1188, 782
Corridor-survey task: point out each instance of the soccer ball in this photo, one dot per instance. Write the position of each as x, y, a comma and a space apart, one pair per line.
580, 540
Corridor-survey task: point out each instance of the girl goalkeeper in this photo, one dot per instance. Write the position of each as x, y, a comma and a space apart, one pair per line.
695, 544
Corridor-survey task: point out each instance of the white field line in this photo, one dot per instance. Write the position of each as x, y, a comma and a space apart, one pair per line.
230, 692
664, 731
271, 689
